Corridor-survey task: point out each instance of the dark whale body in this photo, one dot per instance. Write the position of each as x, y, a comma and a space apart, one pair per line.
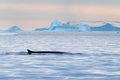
45, 52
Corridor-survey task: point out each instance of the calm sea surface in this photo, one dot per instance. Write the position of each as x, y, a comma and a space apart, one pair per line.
95, 56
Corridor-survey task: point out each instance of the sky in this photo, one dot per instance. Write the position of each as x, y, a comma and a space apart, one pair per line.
31, 14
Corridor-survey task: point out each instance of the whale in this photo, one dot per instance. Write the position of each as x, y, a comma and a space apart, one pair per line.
45, 52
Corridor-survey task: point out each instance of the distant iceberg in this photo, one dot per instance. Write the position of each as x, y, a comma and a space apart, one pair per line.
118, 32
68, 27
105, 27
83, 27
12, 29
57, 26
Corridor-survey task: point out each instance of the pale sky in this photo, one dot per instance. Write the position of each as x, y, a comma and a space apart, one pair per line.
31, 14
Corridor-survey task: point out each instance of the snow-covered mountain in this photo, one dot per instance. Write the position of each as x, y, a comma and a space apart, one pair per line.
12, 29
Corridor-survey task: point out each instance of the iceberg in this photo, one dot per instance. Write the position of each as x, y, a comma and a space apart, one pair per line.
57, 26
83, 27
12, 29
118, 32
106, 27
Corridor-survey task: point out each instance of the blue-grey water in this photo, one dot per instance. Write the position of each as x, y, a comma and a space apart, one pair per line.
94, 56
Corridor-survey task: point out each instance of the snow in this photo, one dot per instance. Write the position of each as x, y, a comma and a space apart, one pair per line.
99, 58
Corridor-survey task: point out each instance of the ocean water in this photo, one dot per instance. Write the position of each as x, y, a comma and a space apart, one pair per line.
95, 56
